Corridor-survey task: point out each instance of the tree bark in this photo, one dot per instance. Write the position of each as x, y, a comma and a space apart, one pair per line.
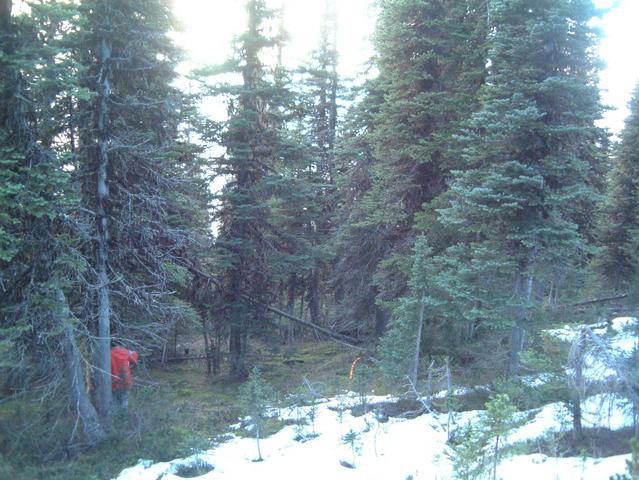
291, 306
337, 336
313, 296
102, 255
517, 339
418, 342
237, 352
83, 407
576, 362
207, 346
518, 333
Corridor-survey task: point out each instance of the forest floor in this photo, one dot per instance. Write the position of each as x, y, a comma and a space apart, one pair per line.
175, 410
356, 435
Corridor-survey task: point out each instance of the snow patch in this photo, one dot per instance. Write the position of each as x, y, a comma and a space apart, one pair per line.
397, 448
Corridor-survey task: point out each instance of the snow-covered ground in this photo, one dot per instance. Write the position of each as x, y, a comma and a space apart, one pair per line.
399, 448
618, 341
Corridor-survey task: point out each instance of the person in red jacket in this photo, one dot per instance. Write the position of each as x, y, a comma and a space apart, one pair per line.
121, 376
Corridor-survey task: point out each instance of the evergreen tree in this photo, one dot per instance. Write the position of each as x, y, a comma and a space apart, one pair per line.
256, 396
134, 168
531, 153
357, 243
480, 450
619, 214
324, 89
322, 79
252, 147
400, 347
431, 57
38, 255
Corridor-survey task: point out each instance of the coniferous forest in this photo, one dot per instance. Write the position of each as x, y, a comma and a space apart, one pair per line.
446, 210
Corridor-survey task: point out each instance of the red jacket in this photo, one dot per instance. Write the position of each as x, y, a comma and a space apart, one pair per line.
121, 377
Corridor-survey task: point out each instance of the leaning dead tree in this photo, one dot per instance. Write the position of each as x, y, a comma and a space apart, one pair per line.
589, 344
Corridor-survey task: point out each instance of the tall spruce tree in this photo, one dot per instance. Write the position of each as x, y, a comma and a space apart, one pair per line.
619, 215
39, 342
322, 81
531, 154
134, 169
431, 57
252, 144
357, 243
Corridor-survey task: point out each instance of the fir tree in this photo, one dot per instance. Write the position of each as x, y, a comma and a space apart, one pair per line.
133, 167
38, 259
531, 153
256, 395
323, 83
619, 214
430, 56
252, 146
400, 347
357, 243
481, 448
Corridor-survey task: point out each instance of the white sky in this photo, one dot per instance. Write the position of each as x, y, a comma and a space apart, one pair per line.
211, 24
618, 49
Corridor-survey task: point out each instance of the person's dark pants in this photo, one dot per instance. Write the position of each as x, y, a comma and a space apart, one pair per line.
121, 399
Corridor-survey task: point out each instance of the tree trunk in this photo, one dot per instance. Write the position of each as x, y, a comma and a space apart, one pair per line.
313, 296
302, 299
449, 386
496, 458
331, 19
237, 352
576, 362
207, 346
291, 308
102, 256
518, 333
418, 342
84, 408
217, 351
517, 339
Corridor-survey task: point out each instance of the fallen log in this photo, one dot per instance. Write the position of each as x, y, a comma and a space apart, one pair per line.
600, 300
191, 357
340, 337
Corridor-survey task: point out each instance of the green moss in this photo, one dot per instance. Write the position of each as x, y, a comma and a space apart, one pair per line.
270, 426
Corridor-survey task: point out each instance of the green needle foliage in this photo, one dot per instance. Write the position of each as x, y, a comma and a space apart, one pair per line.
619, 213
256, 396
253, 147
522, 203
431, 57
352, 440
480, 448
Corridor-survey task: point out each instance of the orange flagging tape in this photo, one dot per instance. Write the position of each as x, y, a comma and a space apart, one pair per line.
353, 366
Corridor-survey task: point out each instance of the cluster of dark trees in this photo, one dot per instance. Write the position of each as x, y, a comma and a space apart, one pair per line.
464, 191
